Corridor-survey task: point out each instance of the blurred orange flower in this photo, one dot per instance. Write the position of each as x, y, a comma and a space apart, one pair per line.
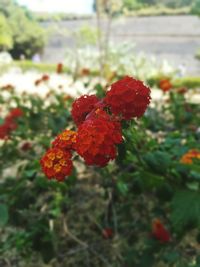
165, 85
188, 157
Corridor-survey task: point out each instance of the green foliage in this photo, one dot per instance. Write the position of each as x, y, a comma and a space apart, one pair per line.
196, 7
47, 222
86, 35
185, 210
27, 36
6, 40
3, 215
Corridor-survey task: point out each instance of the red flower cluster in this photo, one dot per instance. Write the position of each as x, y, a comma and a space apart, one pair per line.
96, 140
82, 107
160, 232
56, 163
99, 127
10, 122
128, 98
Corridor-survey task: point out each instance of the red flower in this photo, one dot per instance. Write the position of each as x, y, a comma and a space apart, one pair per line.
45, 78
85, 72
182, 90
165, 85
107, 233
65, 140
160, 232
26, 146
59, 68
56, 163
128, 97
4, 131
6, 128
8, 87
38, 82
96, 140
82, 107
16, 112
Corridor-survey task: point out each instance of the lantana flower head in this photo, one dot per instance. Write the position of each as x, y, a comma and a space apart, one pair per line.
128, 97
65, 140
188, 157
82, 107
9, 123
99, 127
96, 141
16, 113
57, 163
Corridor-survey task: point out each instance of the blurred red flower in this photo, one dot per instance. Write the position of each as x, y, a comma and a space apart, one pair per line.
59, 68
107, 233
160, 232
26, 146
45, 77
165, 85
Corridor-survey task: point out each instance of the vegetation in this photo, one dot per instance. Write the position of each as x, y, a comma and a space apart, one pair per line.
19, 31
101, 216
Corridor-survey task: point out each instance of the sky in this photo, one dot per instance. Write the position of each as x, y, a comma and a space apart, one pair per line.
67, 6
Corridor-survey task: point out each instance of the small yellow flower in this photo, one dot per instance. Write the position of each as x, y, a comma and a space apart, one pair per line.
59, 154
51, 155
57, 168
48, 163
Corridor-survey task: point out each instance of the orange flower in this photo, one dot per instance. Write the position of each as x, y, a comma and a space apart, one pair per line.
165, 85
45, 78
56, 163
160, 232
65, 140
188, 157
59, 68
85, 72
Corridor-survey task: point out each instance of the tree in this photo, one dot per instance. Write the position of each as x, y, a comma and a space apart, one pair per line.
6, 40
196, 7
28, 37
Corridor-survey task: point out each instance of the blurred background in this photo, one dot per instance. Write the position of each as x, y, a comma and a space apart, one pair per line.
165, 31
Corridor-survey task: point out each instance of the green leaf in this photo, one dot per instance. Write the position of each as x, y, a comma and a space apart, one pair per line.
185, 209
122, 187
151, 180
3, 214
158, 161
171, 257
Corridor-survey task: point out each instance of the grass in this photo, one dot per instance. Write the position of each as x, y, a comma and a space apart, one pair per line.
42, 67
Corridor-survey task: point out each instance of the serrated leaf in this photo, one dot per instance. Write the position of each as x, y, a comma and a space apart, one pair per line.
185, 209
